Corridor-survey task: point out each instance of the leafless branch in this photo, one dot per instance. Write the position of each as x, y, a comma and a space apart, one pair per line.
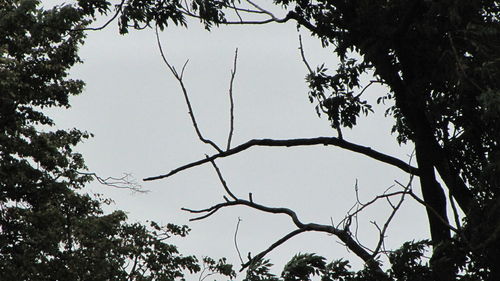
391, 216
298, 142
343, 235
236, 240
184, 91
127, 181
302, 54
368, 86
231, 110
224, 184
282, 240
263, 10
421, 201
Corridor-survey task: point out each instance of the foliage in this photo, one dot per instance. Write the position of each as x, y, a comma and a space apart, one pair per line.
49, 228
407, 265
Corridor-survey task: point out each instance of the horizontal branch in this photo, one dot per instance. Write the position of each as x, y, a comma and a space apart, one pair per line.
299, 142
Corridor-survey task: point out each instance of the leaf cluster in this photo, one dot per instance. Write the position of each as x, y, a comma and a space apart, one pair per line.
50, 229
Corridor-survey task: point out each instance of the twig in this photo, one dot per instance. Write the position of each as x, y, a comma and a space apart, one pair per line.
184, 91
262, 10
301, 48
224, 184
236, 241
419, 200
127, 181
391, 216
298, 142
231, 125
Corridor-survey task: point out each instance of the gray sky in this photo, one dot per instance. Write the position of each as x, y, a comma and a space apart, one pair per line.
135, 108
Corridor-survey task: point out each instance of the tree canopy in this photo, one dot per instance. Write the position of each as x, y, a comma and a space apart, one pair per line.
50, 228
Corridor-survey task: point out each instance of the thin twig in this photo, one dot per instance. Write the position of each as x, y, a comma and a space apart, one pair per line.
301, 48
419, 200
231, 125
127, 181
224, 184
236, 240
263, 10
298, 142
391, 216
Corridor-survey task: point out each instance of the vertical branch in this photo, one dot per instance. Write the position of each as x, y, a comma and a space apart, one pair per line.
236, 241
184, 91
231, 125
301, 48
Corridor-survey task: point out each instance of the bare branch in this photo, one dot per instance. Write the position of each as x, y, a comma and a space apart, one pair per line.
282, 240
263, 10
301, 48
231, 125
421, 201
224, 184
343, 235
184, 91
391, 216
127, 181
299, 142
236, 240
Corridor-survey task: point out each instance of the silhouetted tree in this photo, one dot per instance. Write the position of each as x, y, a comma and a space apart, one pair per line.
50, 229
440, 62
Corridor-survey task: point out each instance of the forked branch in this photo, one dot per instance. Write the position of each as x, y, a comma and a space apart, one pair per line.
342, 234
185, 93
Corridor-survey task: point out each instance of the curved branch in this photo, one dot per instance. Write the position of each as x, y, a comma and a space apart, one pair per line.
299, 142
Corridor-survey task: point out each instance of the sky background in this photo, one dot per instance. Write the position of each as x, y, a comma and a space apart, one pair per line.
135, 108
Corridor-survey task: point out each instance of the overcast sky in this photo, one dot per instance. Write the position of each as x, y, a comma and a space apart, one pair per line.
136, 110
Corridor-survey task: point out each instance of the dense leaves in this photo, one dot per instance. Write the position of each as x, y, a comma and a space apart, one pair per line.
408, 264
49, 228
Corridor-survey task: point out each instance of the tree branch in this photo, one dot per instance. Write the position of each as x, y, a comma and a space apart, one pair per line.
231, 110
184, 91
272, 247
343, 235
299, 142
